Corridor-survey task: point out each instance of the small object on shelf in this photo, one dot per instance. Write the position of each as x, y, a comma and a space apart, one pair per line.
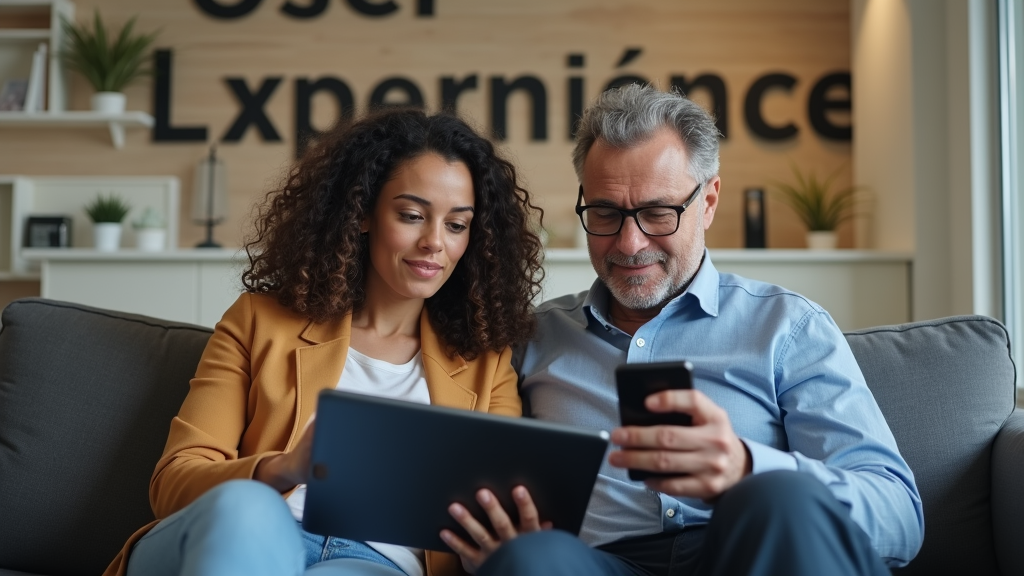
753, 218
817, 206
108, 102
106, 214
210, 196
822, 240
12, 96
48, 232
108, 67
150, 232
35, 94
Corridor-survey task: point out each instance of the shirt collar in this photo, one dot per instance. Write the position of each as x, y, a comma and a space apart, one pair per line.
703, 287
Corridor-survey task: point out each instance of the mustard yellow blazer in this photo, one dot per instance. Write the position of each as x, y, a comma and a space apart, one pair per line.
256, 387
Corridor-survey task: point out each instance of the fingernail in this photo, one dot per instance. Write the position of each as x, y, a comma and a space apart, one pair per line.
653, 401
619, 436
519, 492
484, 497
445, 535
455, 510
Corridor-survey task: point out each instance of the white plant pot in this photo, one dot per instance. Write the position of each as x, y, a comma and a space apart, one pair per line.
108, 102
106, 236
821, 240
151, 239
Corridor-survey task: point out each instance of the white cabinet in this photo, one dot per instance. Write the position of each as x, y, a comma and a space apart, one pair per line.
858, 288
194, 286
24, 196
24, 24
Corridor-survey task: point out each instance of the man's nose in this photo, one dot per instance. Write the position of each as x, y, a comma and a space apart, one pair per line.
631, 238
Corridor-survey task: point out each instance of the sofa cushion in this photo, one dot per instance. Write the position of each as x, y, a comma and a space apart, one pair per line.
945, 387
86, 399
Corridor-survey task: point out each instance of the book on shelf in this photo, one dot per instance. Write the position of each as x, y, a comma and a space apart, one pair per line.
35, 97
12, 95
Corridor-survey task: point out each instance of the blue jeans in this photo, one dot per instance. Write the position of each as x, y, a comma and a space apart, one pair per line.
770, 524
244, 527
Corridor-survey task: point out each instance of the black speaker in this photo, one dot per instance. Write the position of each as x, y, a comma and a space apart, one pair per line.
753, 218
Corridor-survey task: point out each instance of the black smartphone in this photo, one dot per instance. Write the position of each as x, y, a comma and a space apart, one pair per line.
636, 382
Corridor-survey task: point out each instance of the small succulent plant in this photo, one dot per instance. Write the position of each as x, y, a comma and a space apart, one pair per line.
107, 209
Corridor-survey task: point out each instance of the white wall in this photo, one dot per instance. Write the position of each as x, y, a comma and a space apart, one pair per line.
924, 117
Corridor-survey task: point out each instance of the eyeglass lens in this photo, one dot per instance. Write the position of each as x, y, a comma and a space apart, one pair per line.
654, 221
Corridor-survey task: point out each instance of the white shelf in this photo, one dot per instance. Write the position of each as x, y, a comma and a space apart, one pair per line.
19, 277
130, 255
757, 255
116, 123
24, 34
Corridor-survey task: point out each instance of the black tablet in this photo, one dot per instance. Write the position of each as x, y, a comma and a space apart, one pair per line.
386, 470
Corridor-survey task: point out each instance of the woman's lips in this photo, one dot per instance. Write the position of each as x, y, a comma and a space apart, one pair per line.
423, 268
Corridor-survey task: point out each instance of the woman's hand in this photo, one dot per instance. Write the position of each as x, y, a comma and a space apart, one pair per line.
285, 471
473, 557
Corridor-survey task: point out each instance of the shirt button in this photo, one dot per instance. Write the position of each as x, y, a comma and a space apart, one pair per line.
640, 342
671, 512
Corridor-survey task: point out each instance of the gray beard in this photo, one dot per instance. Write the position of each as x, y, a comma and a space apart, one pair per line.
630, 292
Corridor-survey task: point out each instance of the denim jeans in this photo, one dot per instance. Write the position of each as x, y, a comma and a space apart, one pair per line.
324, 548
244, 528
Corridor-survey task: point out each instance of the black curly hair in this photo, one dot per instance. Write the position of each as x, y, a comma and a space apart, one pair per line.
307, 250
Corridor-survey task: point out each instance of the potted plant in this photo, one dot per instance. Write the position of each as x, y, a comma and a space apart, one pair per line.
106, 215
818, 207
150, 235
109, 63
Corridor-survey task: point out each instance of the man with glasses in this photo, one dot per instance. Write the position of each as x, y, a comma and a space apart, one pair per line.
789, 467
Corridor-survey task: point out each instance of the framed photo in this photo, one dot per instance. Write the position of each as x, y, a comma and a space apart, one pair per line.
12, 96
48, 232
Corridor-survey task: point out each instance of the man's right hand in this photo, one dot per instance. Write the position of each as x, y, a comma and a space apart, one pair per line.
286, 471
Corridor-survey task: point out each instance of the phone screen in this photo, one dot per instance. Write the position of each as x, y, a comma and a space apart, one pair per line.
636, 382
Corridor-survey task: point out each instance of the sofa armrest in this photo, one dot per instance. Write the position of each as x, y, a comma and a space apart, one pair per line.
1008, 494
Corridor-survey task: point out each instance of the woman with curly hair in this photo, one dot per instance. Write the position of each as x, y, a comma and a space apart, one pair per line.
397, 260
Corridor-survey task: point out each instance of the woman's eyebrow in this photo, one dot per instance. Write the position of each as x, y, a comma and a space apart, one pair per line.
428, 203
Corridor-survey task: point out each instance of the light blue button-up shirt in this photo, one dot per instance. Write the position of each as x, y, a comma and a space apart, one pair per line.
778, 365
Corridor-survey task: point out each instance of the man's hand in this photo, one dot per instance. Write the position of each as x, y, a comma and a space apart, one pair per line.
704, 460
473, 557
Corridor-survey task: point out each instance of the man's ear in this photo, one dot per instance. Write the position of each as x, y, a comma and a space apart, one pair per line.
711, 200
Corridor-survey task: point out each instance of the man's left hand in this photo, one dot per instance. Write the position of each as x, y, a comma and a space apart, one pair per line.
702, 461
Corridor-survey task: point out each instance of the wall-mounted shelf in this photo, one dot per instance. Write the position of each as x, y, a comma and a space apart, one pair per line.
116, 123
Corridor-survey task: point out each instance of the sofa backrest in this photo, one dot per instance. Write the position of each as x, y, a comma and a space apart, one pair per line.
945, 387
86, 400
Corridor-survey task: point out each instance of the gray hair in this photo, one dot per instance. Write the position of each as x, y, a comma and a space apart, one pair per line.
630, 115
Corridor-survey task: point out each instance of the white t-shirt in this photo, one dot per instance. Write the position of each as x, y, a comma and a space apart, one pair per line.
365, 375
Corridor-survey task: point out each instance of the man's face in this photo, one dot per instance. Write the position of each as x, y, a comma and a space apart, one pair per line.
641, 271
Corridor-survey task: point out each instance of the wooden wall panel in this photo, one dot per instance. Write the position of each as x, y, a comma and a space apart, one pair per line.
740, 40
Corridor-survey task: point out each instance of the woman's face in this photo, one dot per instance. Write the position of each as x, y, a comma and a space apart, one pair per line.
419, 228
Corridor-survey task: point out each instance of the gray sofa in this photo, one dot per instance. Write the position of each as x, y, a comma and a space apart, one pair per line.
86, 396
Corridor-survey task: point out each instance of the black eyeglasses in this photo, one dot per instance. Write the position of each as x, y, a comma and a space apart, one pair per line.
652, 220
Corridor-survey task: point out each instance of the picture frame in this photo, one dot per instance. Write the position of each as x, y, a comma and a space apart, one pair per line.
48, 232
12, 95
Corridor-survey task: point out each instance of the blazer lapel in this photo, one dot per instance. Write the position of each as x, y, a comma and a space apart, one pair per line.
319, 366
442, 369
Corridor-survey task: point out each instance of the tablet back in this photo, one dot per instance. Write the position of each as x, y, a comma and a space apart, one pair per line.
385, 470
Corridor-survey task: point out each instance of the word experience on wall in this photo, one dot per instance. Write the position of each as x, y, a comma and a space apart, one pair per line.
831, 92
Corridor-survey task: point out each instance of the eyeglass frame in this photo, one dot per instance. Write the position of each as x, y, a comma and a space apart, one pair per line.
633, 212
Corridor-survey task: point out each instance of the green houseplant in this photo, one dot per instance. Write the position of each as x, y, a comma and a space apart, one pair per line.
820, 208
106, 214
108, 62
